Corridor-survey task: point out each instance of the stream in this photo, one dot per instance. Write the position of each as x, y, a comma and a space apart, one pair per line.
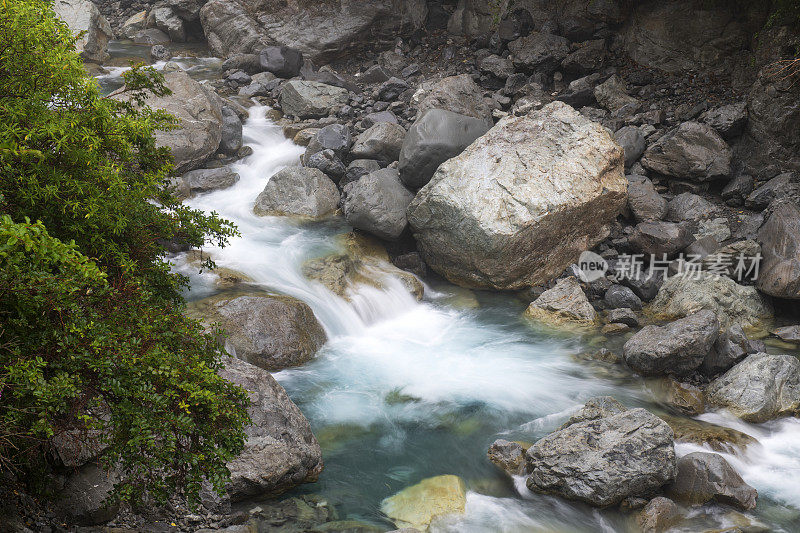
405, 390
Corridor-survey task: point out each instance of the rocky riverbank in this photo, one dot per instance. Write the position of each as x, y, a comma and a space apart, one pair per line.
489, 146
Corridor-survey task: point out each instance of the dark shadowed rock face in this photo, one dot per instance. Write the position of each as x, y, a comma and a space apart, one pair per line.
271, 332
603, 461
677, 348
280, 451
708, 477
760, 388
489, 218
780, 248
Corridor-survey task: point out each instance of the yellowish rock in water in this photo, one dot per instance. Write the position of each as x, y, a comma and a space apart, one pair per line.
417, 505
564, 305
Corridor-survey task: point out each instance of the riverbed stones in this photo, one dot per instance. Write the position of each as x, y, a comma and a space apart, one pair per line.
688, 207
718, 438
730, 347
658, 515
416, 506
199, 113
311, 99
165, 19
280, 451
377, 204
381, 142
84, 16
619, 296
780, 247
512, 211
539, 52
760, 388
231, 140
595, 409
707, 477
509, 456
684, 294
207, 179
692, 151
603, 461
435, 137
564, 304
612, 95
298, 191
729, 120
677, 348
269, 331
632, 141
659, 238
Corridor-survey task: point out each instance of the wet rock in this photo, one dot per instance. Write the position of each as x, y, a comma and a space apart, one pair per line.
603, 461
729, 120
718, 438
200, 114
270, 331
280, 451
376, 118
644, 201
660, 238
731, 347
677, 348
375, 74
391, 89
509, 456
780, 245
151, 36
658, 515
208, 179
707, 477
564, 304
311, 99
618, 296
595, 409
231, 140
418, 505
539, 52
283, 61
85, 498
645, 283
788, 333
543, 229
381, 142
365, 262
688, 207
328, 163
683, 397
692, 151
623, 315
377, 204
632, 141
84, 16
458, 94
684, 294
298, 191
435, 137
358, 169
612, 95
334, 137
760, 388
160, 52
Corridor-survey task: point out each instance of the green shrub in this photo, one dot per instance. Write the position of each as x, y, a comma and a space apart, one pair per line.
92, 335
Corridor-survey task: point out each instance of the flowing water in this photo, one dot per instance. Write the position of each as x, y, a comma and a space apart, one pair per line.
404, 390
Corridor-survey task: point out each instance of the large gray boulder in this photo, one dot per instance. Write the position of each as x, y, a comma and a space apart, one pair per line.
311, 99
434, 138
459, 94
688, 207
513, 210
677, 348
205, 180
199, 113
381, 142
282, 61
645, 203
322, 31
280, 451
780, 248
760, 388
165, 19
298, 191
603, 461
691, 151
269, 331
86, 495
729, 120
84, 16
377, 204
231, 140
685, 294
707, 477
731, 346
539, 51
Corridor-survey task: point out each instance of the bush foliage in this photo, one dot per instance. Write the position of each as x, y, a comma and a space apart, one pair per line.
92, 335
